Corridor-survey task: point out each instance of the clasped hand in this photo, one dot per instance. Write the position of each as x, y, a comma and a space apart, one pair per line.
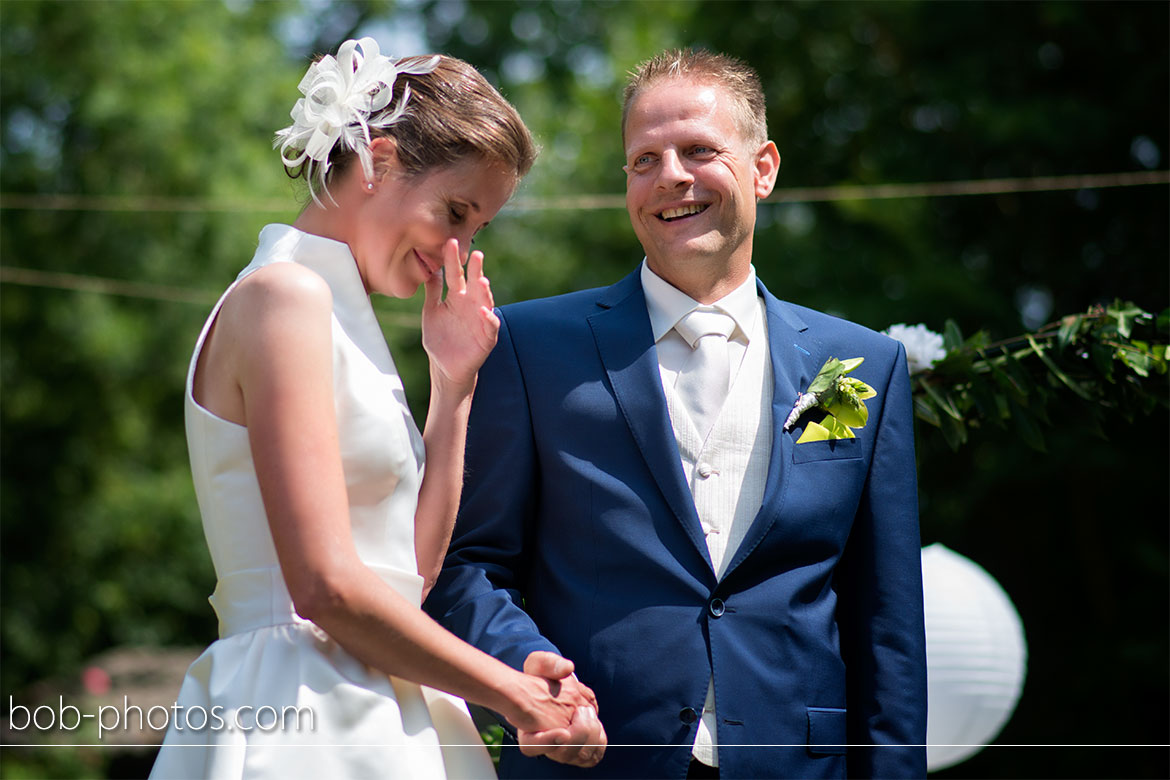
583, 742
459, 331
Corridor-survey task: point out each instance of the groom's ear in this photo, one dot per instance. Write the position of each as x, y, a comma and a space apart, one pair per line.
767, 169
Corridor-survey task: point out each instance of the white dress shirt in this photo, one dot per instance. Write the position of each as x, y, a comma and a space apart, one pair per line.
667, 305
739, 443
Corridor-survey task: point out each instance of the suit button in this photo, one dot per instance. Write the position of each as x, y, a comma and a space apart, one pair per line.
716, 607
688, 715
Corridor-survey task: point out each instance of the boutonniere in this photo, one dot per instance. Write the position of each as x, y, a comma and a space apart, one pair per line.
841, 396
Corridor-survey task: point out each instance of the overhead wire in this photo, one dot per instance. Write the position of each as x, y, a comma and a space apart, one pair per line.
146, 204
56, 280
599, 202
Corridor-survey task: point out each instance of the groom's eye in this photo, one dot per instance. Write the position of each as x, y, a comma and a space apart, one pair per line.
641, 161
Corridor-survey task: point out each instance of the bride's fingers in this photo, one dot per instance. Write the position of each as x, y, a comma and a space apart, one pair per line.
452, 268
489, 299
490, 324
540, 743
475, 267
433, 291
477, 284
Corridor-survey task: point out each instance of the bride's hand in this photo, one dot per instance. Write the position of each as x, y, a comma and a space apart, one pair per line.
458, 332
545, 707
583, 743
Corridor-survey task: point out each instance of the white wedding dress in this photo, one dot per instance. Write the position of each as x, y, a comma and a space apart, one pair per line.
275, 696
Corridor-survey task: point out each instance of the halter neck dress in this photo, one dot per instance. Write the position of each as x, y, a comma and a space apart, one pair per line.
275, 696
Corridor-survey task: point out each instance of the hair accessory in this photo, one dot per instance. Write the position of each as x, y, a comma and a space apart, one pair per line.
343, 98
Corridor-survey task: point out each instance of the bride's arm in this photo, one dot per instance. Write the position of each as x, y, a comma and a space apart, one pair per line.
458, 333
277, 330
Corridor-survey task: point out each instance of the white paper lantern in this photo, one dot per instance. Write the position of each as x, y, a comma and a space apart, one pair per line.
976, 657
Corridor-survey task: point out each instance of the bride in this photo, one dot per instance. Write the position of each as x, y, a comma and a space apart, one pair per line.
325, 529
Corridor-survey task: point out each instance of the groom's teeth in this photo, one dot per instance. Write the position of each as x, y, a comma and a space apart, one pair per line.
682, 211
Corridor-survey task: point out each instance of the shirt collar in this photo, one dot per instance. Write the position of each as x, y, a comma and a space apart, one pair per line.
666, 304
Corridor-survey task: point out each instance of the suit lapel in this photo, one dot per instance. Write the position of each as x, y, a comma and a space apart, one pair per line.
794, 356
626, 344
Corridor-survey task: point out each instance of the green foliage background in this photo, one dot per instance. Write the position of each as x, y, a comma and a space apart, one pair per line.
155, 101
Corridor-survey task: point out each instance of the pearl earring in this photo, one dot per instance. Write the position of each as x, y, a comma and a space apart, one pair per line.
370, 186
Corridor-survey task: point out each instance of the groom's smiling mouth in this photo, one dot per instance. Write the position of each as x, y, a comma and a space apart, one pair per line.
681, 212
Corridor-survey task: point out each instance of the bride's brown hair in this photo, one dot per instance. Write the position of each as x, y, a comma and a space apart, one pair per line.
452, 114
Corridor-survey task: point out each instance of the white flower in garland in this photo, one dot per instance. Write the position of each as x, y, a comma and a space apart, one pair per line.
924, 347
343, 98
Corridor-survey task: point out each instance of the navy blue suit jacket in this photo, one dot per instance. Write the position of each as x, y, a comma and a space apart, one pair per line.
577, 534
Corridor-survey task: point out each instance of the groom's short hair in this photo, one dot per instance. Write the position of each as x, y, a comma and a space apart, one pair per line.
734, 75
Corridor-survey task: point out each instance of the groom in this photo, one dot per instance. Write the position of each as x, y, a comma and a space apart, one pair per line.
743, 603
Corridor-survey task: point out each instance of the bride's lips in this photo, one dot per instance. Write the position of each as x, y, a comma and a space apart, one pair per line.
427, 266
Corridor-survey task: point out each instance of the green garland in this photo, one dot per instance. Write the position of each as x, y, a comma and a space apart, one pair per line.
1111, 357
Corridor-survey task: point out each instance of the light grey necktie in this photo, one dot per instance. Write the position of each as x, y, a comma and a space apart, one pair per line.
704, 380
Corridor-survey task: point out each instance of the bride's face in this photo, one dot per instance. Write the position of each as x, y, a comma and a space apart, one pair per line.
406, 221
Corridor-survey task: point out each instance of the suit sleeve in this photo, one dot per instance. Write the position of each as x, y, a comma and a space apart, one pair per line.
479, 594
880, 603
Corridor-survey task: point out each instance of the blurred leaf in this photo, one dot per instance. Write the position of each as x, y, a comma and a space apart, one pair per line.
954, 431
925, 411
1102, 357
1125, 316
942, 401
1069, 327
1136, 360
1055, 369
1027, 427
952, 336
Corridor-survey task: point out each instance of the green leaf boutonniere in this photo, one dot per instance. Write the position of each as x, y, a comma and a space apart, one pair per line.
841, 396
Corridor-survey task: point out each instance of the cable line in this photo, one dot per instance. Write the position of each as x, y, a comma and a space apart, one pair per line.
53, 280
161, 292
841, 192
1089, 181
79, 283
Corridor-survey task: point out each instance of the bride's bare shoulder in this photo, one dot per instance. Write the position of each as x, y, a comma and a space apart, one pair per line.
276, 306
278, 287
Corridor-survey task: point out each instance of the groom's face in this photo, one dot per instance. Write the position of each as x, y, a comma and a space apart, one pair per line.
692, 179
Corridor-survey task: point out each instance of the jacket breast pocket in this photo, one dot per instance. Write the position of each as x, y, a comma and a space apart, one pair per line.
826, 731
834, 449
